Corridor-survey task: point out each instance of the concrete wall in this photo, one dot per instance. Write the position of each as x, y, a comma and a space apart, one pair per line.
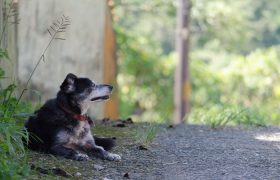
8, 42
82, 52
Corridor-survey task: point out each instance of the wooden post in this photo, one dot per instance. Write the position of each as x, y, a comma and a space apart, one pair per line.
182, 86
110, 67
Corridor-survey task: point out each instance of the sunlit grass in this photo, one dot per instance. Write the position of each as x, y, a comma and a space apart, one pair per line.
219, 116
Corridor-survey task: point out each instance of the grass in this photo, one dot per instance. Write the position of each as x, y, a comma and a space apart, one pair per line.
13, 161
146, 135
140, 132
218, 117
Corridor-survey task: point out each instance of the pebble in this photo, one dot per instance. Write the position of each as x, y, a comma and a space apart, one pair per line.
107, 179
98, 167
77, 174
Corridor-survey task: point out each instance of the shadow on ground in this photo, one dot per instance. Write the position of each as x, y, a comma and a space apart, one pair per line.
184, 152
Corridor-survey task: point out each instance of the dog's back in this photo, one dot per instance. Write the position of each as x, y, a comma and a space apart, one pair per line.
42, 126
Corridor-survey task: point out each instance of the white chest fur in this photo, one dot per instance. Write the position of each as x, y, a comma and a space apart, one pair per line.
80, 135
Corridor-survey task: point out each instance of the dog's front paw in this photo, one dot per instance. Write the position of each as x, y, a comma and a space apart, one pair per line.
81, 157
113, 157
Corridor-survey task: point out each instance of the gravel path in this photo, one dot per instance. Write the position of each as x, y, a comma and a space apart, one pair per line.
188, 152
196, 152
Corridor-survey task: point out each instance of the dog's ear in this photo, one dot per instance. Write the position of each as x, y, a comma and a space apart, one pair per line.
68, 85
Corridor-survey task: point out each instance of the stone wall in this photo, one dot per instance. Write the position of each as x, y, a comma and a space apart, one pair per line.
81, 53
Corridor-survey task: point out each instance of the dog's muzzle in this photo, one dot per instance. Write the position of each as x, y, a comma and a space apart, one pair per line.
100, 98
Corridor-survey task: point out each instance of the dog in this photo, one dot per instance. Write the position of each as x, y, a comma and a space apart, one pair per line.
61, 126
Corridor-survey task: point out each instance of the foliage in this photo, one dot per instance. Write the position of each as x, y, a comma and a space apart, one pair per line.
13, 164
144, 74
250, 81
234, 60
217, 24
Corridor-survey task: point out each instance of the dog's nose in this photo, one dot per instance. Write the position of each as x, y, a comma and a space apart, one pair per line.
111, 87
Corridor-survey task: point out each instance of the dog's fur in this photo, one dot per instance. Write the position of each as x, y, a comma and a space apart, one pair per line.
61, 126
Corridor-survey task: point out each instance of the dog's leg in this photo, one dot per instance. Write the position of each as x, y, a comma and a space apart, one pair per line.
99, 151
69, 153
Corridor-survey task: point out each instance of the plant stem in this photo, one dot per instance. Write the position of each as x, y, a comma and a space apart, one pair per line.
36, 66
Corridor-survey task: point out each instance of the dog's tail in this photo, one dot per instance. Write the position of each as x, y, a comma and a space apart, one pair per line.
106, 143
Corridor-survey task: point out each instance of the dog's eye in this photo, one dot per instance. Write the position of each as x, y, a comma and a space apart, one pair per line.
93, 85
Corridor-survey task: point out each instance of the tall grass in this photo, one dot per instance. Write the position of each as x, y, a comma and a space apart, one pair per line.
13, 162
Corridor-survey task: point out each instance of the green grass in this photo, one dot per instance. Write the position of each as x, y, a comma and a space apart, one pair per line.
218, 117
13, 161
140, 132
146, 135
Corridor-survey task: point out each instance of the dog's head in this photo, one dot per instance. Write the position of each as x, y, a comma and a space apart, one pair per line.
84, 91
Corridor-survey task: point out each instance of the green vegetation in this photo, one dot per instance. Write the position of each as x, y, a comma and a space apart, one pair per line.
13, 161
234, 60
146, 134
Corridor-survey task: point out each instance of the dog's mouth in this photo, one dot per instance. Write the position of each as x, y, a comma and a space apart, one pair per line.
100, 98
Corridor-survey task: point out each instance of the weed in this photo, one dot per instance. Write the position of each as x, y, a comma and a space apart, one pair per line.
146, 135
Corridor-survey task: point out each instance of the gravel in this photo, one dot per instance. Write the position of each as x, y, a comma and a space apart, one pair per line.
197, 152
187, 152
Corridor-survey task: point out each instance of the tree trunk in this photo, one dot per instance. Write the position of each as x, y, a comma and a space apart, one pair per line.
182, 79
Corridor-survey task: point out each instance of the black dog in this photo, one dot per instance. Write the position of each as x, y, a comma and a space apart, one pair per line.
61, 126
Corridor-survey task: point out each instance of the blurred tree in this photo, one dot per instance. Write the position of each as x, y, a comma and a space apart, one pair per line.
233, 56
182, 81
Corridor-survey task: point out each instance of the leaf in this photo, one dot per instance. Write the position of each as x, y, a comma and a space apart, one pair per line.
67, 24
4, 54
52, 28
2, 73
49, 32
61, 31
60, 38
55, 24
126, 175
142, 147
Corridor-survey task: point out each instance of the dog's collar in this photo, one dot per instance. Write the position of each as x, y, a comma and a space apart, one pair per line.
81, 117
76, 116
